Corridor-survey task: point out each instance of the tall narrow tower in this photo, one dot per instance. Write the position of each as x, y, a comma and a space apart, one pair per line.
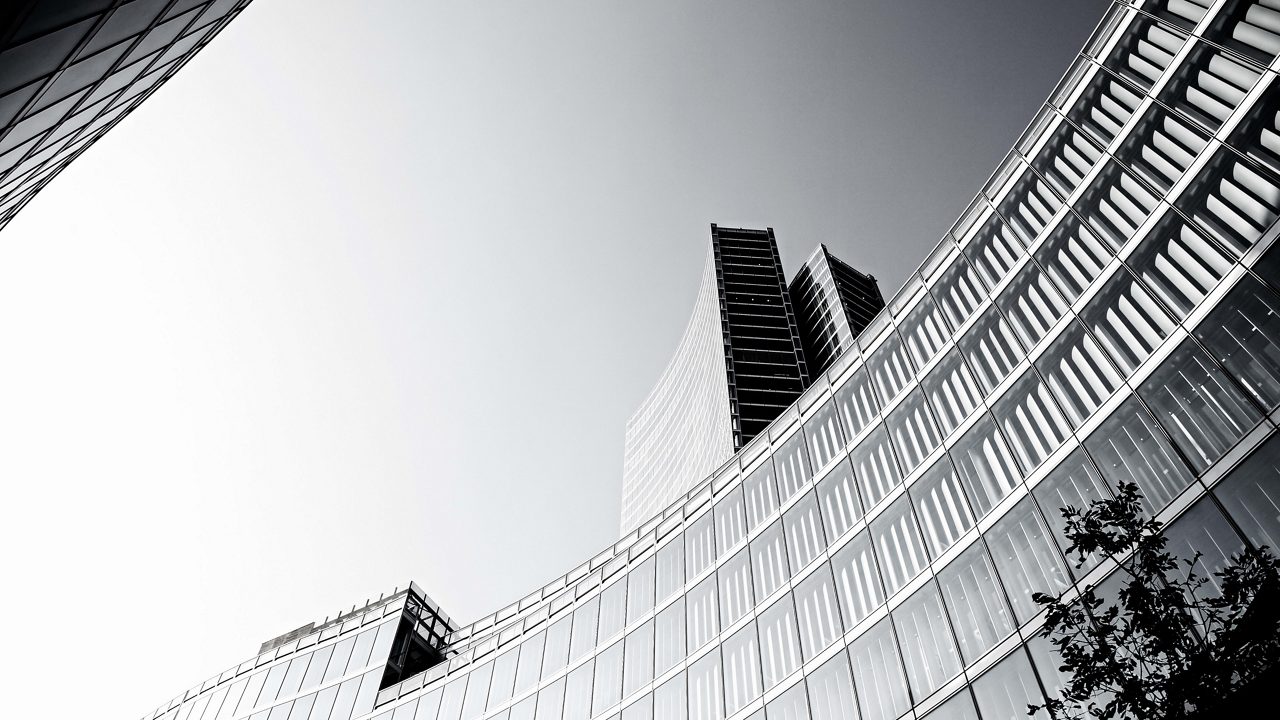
833, 302
763, 355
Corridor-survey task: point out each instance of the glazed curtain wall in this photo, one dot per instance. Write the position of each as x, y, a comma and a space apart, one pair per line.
1104, 311
1093, 318
70, 70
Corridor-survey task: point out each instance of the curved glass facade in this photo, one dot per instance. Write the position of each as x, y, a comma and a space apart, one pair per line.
1105, 310
683, 429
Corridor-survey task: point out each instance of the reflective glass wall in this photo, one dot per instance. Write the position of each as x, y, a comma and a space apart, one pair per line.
71, 69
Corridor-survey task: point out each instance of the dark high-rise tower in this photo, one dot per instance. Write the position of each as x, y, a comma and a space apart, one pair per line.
833, 303
69, 71
763, 354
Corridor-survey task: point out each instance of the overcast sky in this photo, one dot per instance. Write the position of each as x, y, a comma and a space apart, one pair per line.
368, 291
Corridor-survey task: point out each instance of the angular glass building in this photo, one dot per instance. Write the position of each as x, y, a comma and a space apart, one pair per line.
743, 359
1104, 310
833, 304
763, 355
71, 69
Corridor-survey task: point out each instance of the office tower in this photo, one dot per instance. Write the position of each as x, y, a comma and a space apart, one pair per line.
833, 303
762, 351
70, 70
738, 364
1105, 310
683, 430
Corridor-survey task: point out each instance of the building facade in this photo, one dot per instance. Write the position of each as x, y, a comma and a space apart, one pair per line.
683, 430
69, 71
1104, 311
763, 355
833, 304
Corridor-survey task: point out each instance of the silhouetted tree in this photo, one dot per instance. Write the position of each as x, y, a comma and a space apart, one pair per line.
1174, 646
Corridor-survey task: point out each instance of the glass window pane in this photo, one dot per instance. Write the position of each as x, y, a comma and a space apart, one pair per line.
831, 691
985, 465
941, 506
1127, 321
583, 638
1047, 661
1202, 410
877, 674
669, 700
1129, 448
925, 330
670, 568
959, 291
1031, 420
805, 539
1078, 372
555, 655
731, 521
504, 677
1073, 257
530, 665
606, 690
875, 467
824, 434
640, 582
699, 546
890, 368
1025, 558
551, 701
769, 561
477, 692
735, 587
1005, 691
976, 602
638, 664
790, 705
817, 611
856, 403
1243, 333
577, 692
1251, 494
1203, 534
991, 349
898, 544
761, 494
702, 610
779, 646
613, 609
706, 693
838, 497
742, 682
1074, 483
927, 646
1032, 304
791, 463
857, 579
913, 431
450, 704
952, 391
669, 642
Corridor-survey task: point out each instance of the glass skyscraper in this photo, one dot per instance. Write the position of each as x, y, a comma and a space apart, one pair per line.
71, 69
833, 303
742, 361
1104, 310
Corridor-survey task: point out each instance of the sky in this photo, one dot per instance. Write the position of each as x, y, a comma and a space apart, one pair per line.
368, 291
